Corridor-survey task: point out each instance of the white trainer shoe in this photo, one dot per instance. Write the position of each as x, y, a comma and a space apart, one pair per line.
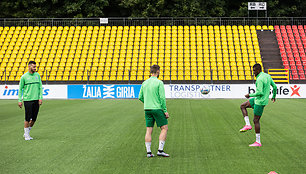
162, 153
149, 155
27, 137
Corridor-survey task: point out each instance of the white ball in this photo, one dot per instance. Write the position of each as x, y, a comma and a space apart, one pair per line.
205, 90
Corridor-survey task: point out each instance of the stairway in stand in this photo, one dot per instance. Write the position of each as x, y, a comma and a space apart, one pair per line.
269, 50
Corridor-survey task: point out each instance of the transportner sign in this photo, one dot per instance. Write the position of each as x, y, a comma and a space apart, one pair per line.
231, 91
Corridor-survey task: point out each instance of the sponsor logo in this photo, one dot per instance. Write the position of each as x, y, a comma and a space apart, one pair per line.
193, 91
91, 91
192, 88
14, 91
125, 92
103, 91
220, 88
10, 92
108, 91
295, 90
281, 90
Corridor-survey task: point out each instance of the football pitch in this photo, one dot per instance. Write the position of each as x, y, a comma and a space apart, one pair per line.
107, 136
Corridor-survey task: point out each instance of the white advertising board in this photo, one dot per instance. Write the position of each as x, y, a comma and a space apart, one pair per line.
49, 91
190, 91
231, 90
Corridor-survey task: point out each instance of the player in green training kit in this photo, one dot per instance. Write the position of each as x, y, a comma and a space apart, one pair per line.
152, 94
30, 87
263, 83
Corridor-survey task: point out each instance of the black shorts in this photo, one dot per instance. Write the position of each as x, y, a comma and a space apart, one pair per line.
31, 110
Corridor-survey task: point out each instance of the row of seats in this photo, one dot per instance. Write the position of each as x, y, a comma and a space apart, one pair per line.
97, 28
292, 44
125, 53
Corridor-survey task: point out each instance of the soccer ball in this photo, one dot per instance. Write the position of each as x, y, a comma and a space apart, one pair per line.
205, 90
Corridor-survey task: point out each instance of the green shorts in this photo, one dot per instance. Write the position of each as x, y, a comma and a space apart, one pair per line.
155, 115
258, 109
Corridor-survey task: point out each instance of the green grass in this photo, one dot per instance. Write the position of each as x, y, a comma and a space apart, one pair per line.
107, 136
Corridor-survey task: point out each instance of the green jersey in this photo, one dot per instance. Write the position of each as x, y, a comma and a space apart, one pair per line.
263, 83
30, 87
152, 94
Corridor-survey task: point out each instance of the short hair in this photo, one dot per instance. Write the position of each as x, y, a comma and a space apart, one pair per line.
32, 62
257, 66
154, 69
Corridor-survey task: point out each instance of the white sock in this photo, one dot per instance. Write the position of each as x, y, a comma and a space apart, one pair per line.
30, 129
161, 145
148, 146
258, 138
247, 121
26, 131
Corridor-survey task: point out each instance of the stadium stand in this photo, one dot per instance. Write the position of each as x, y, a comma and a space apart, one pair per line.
122, 53
292, 44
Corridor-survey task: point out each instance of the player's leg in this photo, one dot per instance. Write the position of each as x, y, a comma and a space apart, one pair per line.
243, 107
257, 124
148, 141
161, 122
35, 113
28, 113
148, 137
31, 124
35, 109
258, 110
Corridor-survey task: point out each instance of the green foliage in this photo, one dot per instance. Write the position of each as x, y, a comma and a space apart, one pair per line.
52, 8
143, 8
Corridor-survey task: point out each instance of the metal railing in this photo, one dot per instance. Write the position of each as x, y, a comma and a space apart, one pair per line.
153, 21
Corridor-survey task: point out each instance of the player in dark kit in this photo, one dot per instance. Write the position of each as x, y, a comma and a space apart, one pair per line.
30, 87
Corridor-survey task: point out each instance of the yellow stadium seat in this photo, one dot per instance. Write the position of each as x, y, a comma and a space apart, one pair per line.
234, 77
248, 77
271, 27
258, 27
118, 48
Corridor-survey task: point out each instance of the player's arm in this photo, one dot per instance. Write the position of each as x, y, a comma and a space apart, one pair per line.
141, 98
21, 86
274, 90
162, 98
40, 91
259, 90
